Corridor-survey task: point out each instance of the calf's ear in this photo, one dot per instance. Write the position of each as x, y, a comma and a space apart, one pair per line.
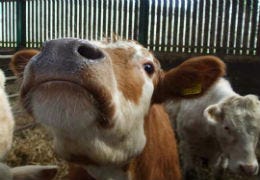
34, 172
213, 114
190, 79
20, 59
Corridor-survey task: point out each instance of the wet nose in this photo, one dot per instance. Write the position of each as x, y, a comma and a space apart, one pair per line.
66, 55
249, 169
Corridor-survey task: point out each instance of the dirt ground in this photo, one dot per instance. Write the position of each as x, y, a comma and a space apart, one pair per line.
33, 144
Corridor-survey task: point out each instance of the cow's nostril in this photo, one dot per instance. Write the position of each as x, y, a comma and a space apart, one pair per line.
90, 52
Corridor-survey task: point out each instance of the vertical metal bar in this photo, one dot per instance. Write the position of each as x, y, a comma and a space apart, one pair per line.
241, 52
178, 25
229, 26
41, 22
80, 15
133, 20
86, 20
10, 22
91, 20
2, 18
161, 19
75, 23
29, 20
184, 26
57, 18
21, 17
116, 17
215, 43
155, 25
48, 19
143, 22
236, 28
257, 32
203, 27
122, 18
45, 20
166, 38
6, 23
197, 28
97, 19
66, 19
190, 26
106, 19
36, 37
68, 26
209, 28
127, 19
249, 35
72, 18
61, 17
173, 25
33, 24
151, 43
13, 23
101, 19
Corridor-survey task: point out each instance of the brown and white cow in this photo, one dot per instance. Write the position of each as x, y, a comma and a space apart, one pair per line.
33, 172
221, 128
99, 100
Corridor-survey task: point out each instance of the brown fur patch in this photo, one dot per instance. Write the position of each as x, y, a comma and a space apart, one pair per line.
127, 73
20, 59
159, 159
77, 172
203, 70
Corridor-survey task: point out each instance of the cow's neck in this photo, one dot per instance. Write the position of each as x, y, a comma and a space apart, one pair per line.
107, 173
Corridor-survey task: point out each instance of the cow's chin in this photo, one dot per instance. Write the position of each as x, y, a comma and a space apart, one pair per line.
71, 113
64, 105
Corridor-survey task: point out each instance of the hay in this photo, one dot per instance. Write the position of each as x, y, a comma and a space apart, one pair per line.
32, 145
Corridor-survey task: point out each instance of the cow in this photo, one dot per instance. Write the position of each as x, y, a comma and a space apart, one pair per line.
30, 172
101, 101
6, 119
219, 129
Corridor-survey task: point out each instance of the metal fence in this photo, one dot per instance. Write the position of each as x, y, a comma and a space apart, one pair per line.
182, 26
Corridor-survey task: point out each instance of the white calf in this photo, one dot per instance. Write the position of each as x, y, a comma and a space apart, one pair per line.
6, 138
6, 119
221, 127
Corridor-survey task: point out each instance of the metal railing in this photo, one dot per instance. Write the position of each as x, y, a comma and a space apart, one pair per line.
182, 26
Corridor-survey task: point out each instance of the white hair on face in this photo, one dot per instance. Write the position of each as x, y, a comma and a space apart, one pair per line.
125, 45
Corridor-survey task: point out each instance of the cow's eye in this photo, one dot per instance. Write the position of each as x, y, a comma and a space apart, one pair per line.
226, 128
149, 68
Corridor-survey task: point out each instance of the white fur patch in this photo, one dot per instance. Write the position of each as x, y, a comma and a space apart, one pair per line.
6, 120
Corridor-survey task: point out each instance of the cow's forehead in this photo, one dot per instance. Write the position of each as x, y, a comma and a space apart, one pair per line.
241, 118
138, 51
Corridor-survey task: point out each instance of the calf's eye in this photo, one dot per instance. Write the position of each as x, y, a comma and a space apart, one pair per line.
226, 128
149, 68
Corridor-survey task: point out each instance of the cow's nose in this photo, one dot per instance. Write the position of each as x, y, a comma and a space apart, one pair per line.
90, 52
249, 169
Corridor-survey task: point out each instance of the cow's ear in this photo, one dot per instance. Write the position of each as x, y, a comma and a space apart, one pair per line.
190, 79
20, 59
34, 172
213, 114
